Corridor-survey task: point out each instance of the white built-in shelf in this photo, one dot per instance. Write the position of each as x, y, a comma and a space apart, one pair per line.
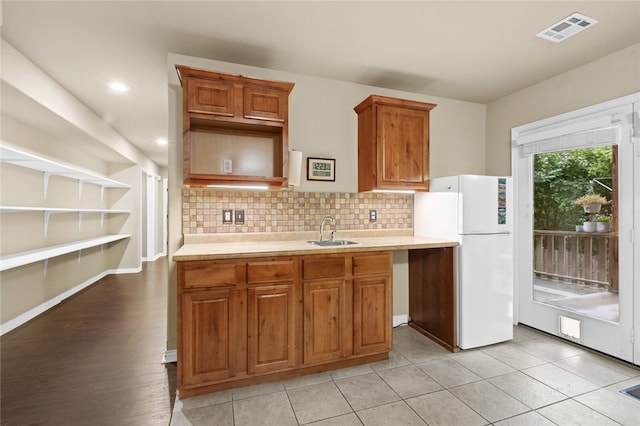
48, 211
53, 168
16, 209
15, 260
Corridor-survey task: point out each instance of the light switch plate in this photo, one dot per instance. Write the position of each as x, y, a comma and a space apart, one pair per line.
239, 217
227, 217
227, 166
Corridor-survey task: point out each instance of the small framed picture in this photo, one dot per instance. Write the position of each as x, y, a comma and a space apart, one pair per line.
321, 169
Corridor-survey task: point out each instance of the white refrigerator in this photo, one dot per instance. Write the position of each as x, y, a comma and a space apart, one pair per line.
477, 211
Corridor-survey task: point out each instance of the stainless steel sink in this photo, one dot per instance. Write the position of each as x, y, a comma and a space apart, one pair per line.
329, 243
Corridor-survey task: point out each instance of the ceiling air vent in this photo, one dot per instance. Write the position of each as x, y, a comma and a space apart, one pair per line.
567, 27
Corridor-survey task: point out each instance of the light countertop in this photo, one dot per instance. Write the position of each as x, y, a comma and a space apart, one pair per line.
211, 247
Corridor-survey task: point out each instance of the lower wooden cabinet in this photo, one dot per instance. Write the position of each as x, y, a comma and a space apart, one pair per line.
243, 322
372, 316
208, 335
325, 320
372, 303
271, 331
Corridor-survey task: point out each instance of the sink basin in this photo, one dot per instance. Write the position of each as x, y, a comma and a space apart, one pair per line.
330, 243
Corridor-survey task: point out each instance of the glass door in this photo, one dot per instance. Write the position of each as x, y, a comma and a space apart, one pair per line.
575, 178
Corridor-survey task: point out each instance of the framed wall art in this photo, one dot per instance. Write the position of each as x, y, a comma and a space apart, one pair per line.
323, 169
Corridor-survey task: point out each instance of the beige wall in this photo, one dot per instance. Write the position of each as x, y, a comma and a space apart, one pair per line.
322, 123
607, 78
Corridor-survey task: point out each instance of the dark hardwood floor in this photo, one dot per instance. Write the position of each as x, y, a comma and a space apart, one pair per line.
95, 359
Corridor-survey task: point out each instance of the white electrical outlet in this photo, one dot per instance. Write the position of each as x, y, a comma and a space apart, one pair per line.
227, 166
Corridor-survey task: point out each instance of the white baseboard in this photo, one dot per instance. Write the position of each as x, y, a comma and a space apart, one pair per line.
400, 319
170, 355
125, 270
158, 256
155, 257
43, 307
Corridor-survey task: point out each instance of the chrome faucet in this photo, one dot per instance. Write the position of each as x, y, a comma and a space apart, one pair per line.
333, 233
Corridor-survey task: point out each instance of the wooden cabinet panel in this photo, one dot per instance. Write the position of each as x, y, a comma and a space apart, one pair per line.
265, 104
271, 328
210, 97
211, 274
323, 267
432, 295
208, 336
324, 320
376, 263
372, 302
393, 144
403, 146
372, 323
271, 270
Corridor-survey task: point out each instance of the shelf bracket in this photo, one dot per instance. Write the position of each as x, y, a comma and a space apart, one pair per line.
80, 214
80, 183
46, 222
102, 220
44, 266
102, 193
79, 255
46, 183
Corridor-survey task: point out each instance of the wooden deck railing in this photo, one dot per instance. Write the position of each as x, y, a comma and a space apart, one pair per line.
582, 258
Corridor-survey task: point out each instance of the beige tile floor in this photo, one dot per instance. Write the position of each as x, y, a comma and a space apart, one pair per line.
534, 379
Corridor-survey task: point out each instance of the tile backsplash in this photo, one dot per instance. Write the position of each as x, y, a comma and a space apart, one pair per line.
289, 211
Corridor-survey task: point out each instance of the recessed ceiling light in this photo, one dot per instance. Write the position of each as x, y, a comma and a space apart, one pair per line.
161, 141
571, 25
118, 86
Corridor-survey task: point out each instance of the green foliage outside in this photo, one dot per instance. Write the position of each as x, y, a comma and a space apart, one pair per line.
560, 178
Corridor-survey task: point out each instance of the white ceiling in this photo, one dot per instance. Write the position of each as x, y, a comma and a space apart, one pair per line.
474, 51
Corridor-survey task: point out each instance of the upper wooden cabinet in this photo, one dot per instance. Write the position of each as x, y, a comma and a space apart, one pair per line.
393, 144
235, 129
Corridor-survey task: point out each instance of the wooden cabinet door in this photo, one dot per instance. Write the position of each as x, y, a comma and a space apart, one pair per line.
393, 144
403, 147
271, 340
325, 324
372, 324
264, 103
210, 97
208, 326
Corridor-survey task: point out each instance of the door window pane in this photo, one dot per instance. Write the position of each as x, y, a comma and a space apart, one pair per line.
576, 245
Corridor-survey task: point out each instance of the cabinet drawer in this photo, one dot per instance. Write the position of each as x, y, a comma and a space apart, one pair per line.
271, 270
378, 263
210, 97
210, 274
323, 267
